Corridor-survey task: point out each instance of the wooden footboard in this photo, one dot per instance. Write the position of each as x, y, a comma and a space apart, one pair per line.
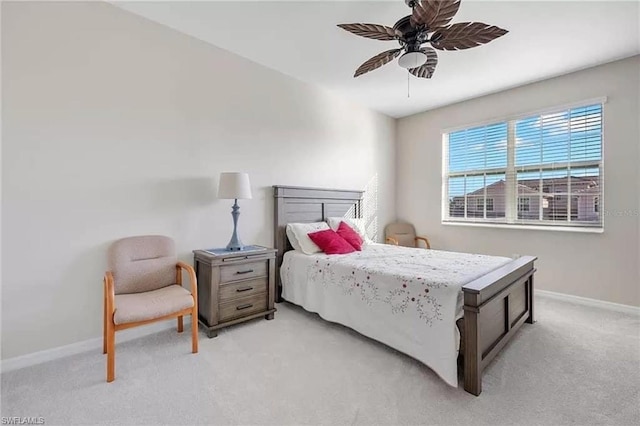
495, 306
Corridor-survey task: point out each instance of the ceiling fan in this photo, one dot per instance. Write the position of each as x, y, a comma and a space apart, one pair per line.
427, 24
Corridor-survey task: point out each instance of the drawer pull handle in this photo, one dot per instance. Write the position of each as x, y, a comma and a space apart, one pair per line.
248, 271
239, 290
245, 306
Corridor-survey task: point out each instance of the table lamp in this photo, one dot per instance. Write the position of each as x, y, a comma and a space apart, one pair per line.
234, 186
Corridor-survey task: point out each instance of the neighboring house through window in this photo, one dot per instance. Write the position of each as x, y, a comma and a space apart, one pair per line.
539, 169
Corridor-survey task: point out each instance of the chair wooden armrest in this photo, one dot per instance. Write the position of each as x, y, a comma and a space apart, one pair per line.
109, 293
192, 278
108, 303
390, 240
426, 241
194, 293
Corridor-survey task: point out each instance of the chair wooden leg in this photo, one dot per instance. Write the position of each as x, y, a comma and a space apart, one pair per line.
180, 324
111, 352
194, 331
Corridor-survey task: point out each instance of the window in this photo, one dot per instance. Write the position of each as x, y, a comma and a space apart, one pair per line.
543, 169
477, 168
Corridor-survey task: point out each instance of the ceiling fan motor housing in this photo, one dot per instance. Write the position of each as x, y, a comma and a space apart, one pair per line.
411, 36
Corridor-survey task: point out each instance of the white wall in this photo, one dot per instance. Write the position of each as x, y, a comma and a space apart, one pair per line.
601, 266
116, 126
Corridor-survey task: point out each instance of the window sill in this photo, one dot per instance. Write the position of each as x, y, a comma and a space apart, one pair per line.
583, 229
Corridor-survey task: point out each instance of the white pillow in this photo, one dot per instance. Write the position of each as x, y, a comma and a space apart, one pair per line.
357, 224
297, 234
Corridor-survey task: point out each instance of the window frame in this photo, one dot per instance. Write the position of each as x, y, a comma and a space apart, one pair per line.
511, 209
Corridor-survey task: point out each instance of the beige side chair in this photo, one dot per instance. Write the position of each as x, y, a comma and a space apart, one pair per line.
144, 285
403, 234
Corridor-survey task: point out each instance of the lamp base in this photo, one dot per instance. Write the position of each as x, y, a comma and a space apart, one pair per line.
235, 247
235, 244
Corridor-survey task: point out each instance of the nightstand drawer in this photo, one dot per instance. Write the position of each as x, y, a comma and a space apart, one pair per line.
243, 271
242, 289
243, 307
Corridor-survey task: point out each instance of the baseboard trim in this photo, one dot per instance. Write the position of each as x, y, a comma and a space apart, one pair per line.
627, 309
46, 355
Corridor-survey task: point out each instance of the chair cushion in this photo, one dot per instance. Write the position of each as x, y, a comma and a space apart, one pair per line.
151, 304
406, 240
142, 263
403, 233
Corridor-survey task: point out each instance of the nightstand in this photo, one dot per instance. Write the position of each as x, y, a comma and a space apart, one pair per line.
234, 286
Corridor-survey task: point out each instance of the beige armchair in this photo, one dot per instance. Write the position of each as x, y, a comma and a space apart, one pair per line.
404, 234
144, 285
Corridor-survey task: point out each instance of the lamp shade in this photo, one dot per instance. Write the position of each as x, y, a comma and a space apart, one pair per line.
234, 185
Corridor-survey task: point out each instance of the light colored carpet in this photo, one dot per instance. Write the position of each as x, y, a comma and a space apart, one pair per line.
577, 365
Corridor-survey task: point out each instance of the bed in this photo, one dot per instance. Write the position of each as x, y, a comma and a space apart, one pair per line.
471, 305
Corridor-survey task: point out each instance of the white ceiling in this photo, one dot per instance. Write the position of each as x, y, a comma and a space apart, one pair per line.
300, 39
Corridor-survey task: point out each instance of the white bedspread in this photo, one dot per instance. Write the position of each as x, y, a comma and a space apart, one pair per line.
406, 298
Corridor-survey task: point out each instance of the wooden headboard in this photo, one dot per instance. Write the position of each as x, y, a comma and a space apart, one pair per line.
295, 204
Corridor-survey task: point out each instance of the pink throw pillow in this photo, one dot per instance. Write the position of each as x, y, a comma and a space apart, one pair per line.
330, 242
350, 236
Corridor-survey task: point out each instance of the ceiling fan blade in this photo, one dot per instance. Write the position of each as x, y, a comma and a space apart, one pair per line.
377, 61
434, 13
426, 70
374, 31
465, 35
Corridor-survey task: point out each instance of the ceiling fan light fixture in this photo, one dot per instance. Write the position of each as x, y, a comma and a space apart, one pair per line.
412, 59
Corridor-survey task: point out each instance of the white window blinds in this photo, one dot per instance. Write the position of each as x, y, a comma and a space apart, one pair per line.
543, 169
477, 165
